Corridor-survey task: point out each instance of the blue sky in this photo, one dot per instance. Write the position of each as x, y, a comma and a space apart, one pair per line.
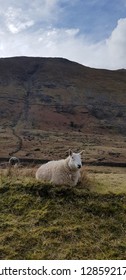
94, 18
90, 32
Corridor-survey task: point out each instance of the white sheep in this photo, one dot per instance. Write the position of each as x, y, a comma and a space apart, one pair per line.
61, 172
14, 161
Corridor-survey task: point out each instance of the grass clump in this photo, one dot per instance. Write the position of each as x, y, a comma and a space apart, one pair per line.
41, 221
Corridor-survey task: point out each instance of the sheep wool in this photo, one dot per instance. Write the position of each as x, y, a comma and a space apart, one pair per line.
61, 172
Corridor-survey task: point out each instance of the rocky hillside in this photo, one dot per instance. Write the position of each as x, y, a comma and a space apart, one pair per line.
53, 103
54, 93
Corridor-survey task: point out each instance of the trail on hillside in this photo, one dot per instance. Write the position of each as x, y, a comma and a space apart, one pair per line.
24, 113
18, 143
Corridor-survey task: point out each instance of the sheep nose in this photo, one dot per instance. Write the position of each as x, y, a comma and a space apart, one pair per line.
79, 166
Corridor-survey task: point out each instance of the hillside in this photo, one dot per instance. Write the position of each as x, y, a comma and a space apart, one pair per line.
53, 100
46, 107
41, 221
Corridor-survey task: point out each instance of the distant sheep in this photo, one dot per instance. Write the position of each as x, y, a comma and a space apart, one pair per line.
14, 161
61, 172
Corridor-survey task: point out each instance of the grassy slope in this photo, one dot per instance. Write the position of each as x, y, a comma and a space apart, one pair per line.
39, 221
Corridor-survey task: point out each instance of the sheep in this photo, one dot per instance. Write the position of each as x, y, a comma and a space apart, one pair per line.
61, 172
14, 161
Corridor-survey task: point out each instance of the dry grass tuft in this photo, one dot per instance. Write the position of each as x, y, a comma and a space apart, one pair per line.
85, 181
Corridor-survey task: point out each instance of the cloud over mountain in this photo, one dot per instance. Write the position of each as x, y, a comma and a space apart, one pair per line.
35, 29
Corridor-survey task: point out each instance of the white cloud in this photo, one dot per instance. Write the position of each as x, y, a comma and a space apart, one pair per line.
116, 45
16, 21
28, 29
18, 16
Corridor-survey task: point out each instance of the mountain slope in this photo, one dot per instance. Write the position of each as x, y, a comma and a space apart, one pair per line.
54, 94
37, 91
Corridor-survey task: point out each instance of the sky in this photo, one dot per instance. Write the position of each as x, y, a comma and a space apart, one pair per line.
90, 32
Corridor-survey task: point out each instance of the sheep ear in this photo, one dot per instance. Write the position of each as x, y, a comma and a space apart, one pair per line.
70, 152
81, 152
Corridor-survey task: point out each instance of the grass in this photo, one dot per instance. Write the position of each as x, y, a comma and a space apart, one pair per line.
108, 179
40, 221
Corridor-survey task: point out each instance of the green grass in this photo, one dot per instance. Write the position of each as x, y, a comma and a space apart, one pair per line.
40, 221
